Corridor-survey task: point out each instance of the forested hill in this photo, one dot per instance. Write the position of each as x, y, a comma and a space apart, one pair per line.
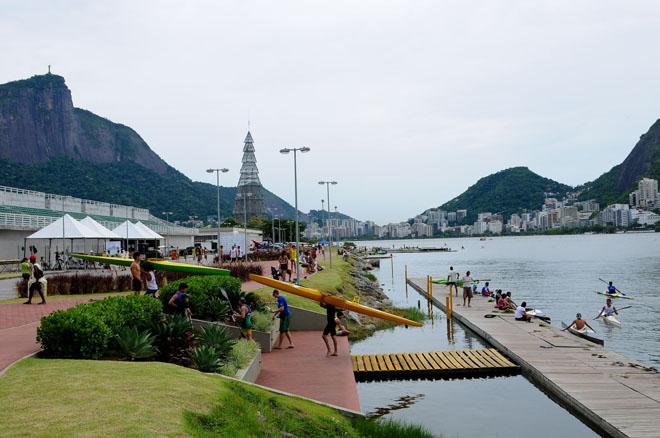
49, 145
643, 161
507, 191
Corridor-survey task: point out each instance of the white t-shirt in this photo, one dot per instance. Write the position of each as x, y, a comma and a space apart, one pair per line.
151, 282
467, 281
520, 312
232, 253
453, 276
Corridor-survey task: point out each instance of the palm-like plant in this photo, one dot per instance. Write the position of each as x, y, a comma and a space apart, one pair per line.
218, 309
136, 344
216, 337
206, 359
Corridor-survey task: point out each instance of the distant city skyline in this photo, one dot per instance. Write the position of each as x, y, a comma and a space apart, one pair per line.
406, 101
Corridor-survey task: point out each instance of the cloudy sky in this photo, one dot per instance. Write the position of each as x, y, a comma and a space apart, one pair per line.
405, 104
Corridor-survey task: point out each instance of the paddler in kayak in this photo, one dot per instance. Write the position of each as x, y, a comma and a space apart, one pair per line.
608, 309
579, 324
611, 289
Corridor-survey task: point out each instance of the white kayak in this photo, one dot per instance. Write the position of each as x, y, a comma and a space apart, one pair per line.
611, 319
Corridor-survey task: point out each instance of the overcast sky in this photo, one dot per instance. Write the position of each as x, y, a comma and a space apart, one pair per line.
405, 104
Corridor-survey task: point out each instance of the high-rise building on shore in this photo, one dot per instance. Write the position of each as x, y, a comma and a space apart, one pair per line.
249, 201
646, 195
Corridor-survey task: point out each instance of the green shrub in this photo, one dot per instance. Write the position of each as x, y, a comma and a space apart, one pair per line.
261, 321
217, 337
73, 333
371, 277
135, 344
206, 359
201, 289
89, 331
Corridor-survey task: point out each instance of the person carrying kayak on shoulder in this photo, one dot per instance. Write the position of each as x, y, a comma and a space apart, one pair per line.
284, 314
608, 309
578, 323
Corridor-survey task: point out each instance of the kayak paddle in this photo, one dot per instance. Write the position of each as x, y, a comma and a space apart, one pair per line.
607, 282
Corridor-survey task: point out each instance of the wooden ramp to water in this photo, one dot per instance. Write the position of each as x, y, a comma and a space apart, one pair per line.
438, 364
616, 395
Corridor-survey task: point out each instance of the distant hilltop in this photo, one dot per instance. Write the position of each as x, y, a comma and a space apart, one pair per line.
517, 189
47, 144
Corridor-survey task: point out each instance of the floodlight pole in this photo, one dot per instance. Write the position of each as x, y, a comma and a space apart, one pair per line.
327, 186
217, 184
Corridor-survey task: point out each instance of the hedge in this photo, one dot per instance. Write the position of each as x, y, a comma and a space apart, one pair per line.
87, 331
201, 289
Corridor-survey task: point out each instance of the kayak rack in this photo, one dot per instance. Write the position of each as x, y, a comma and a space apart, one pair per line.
433, 365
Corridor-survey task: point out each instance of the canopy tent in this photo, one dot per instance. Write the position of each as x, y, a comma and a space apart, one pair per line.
128, 230
65, 227
102, 231
148, 230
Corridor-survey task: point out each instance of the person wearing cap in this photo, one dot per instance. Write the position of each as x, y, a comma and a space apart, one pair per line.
579, 324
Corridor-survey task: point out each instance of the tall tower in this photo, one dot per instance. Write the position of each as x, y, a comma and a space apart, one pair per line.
249, 192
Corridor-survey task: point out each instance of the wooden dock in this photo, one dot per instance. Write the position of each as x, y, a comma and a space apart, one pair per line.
615, 395
437, 365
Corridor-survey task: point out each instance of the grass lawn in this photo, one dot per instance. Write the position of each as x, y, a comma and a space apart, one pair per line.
328, 280
56, 397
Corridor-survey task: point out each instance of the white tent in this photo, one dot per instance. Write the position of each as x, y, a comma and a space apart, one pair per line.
128, 230
146, 229
102, 232
65, 227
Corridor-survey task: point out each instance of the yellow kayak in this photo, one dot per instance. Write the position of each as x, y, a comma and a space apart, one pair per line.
159, 264
338, 302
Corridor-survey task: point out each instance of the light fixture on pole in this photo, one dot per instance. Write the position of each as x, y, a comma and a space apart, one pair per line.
167, 216
295, 185
245, 248
217, 184
327, 186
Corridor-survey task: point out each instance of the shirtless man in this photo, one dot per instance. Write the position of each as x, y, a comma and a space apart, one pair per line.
579, 324
136, 274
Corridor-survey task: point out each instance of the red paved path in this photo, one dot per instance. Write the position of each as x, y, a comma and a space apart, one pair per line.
306, 371
18, 327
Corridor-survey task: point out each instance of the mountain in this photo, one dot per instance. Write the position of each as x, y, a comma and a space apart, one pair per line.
322, 215
618, 182
507, 191
49, 145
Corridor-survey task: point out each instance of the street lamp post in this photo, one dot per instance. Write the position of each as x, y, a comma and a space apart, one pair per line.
245, 248
167, 216
327, 186
295, 185
217, 184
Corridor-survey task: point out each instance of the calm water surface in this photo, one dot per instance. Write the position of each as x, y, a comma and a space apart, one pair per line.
558, 274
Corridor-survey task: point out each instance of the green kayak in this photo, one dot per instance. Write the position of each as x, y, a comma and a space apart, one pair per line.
616, 295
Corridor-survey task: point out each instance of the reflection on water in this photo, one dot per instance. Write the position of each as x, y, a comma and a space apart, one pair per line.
558, 274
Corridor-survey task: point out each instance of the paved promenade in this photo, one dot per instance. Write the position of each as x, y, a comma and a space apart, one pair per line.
18, 327
616, 395
306, 371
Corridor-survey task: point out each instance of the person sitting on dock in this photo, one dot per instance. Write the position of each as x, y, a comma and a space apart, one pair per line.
452, 279
330, 327
608, 309
467, 289
578, 323
485, 291
521, 313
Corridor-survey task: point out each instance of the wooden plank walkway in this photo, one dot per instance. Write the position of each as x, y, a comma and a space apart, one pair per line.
615, 395
438, 364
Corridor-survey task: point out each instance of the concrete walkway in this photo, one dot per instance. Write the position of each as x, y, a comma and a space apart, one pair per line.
308, 372
18, 327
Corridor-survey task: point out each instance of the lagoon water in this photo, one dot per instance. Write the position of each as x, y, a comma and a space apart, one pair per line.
558, 274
